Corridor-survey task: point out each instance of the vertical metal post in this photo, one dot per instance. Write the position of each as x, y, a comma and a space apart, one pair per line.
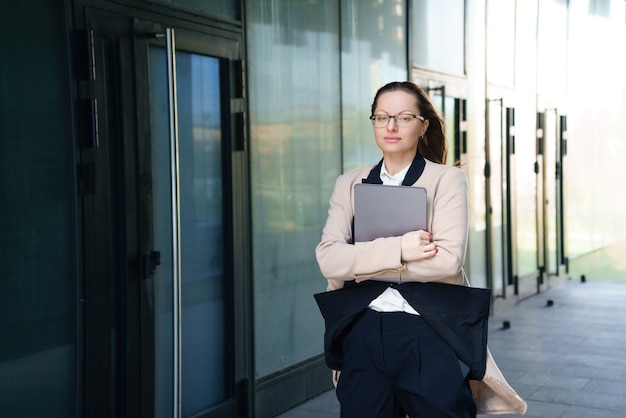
174, 167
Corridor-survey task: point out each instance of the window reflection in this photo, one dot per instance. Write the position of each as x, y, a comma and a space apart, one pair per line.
438, 35
369, 59
295, 133
302, 111
201, 232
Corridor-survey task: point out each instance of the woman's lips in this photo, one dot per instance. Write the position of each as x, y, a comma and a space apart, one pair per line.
392, 138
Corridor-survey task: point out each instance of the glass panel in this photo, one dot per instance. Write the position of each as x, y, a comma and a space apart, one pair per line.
201, 231
438, 35
525, 187
496, 143
500, 41
162, 207
373, 52
450, 127
526, 207
474, 166
224, 8
595, 217
37, 248
550, 137
294, 90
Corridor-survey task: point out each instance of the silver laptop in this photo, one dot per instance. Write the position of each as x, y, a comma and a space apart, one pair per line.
387, 211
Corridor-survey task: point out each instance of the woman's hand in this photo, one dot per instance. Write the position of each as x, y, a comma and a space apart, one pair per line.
418, 245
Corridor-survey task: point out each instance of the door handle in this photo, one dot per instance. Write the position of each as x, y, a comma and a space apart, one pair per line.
176, 253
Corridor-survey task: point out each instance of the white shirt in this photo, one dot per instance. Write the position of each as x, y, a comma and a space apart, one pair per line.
391, 300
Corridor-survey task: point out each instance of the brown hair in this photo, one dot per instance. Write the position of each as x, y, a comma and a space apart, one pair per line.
432, 145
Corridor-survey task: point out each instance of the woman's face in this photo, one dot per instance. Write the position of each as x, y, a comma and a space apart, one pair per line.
399, 141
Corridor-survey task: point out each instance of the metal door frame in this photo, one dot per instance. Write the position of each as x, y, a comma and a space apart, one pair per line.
132, 397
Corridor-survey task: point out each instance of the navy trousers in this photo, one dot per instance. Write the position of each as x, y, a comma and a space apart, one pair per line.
396, 365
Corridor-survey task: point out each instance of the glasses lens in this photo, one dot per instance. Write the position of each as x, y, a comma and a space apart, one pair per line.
404, 120
381, 120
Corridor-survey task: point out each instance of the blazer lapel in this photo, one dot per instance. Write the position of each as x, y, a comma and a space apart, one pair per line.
414, 173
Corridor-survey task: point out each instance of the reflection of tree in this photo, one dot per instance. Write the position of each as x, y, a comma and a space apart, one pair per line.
298, 165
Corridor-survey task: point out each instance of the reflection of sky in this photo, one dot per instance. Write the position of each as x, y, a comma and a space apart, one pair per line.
205, 94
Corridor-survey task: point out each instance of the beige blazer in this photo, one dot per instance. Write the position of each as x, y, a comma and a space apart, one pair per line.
447, 208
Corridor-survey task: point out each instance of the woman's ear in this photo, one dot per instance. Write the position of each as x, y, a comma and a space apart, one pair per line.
426, 123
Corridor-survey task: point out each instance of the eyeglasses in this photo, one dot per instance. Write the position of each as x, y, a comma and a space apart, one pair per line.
403, 119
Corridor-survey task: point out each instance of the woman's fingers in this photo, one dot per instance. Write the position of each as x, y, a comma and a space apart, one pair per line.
417, 245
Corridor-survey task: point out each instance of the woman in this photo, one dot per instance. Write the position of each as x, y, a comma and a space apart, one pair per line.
393, 363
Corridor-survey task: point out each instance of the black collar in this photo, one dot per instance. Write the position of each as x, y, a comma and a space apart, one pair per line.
415, 171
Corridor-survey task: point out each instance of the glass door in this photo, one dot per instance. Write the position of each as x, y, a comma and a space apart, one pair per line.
553, 132
561, 169
189, 229
497, 240
510, 202
550, 219
172, 109
526, 191
190, 207
448, 100
541, 198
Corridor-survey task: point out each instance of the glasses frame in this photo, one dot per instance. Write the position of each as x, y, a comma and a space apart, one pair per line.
373, 119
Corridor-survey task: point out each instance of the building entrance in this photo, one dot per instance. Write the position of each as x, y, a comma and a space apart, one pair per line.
162, 156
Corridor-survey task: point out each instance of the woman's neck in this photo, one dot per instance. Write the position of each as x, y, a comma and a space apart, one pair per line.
395, 163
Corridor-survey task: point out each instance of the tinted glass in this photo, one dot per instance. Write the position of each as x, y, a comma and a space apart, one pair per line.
294, 85
37, 246
201, 233
373, 52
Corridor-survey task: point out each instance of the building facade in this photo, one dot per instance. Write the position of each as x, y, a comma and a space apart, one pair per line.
167, 165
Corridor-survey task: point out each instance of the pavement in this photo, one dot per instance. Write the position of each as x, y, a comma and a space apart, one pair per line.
564, 352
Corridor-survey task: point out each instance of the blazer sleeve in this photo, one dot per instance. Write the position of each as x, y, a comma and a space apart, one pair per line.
340, 260
449, 224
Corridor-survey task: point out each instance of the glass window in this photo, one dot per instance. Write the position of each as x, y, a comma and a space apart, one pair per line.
500, 42
294, 96
552, 49
373, 52
596, 130
438, 35
600, 8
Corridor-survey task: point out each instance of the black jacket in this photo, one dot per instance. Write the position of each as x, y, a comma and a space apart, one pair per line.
459, 314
